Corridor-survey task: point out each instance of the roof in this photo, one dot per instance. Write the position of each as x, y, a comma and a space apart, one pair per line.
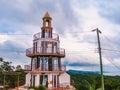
46, 15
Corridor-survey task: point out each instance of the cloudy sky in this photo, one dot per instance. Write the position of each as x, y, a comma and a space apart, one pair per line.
74, 21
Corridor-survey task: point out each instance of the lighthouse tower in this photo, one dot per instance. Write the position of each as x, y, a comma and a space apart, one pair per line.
46, 68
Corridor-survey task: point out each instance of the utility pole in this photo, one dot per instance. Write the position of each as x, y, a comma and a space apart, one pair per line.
100, 56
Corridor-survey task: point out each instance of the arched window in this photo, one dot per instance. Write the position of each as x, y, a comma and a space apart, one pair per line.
47, 23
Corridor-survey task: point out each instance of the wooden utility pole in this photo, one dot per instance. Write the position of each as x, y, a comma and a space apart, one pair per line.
100, 57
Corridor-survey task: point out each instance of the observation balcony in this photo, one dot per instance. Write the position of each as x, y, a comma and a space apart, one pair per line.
39, 51
38, 36
45, 68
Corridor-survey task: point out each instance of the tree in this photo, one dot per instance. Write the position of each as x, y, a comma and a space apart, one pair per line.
18, 68
5, 66
11, 79
92, 81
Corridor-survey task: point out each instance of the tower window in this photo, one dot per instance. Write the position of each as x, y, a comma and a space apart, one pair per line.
47, 23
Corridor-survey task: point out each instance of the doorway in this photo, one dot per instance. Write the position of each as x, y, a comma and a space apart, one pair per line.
44, 80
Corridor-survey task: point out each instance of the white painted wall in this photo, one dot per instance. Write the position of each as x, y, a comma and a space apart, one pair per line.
64, 80
37, 79
49, 80
27, 81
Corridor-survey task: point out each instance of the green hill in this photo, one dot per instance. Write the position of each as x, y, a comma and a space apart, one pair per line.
93, 81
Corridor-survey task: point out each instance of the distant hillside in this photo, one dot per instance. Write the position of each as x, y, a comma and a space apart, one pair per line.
83, 72
84, 80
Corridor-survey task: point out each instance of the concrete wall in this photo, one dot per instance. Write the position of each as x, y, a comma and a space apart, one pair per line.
27, 81
64, 80
37, 80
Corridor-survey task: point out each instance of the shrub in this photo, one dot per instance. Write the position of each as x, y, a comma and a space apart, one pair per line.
32, 88
37, 88
41, 87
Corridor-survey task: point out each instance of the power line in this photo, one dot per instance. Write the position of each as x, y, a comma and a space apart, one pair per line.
111, 50
110, 42
67, 51
35, 33
111, 61
14, 34
80, 32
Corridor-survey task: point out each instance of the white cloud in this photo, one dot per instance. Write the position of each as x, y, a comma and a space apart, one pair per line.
3, 38
19, 5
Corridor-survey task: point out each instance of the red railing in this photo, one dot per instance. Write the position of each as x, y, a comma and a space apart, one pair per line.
40, 50
27, 67
38, 36
46, 67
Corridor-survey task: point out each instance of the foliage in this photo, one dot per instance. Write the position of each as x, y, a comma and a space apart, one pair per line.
5, 66
41, 87
18, 68
93, 82
99, 89
11, 80
32, 87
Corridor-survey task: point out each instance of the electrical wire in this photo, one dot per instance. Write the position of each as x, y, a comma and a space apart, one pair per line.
111, 50
110, 43
111, 61
15, 34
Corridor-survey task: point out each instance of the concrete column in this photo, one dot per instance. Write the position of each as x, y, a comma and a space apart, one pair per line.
50, 82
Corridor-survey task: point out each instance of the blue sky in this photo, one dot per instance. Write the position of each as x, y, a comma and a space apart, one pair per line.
73, 20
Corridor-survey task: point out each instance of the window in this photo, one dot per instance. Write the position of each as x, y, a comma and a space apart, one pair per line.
44, 63
55, 63
46, 23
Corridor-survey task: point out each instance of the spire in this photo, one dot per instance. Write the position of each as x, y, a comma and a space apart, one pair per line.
46, 15
47, 20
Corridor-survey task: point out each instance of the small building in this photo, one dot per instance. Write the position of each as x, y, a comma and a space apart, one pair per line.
46, 68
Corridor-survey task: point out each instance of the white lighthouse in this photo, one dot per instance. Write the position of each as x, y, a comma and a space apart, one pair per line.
46, 67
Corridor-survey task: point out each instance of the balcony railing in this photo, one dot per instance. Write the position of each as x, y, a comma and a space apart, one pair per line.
27, 67
45, 67
38, 36
45, 51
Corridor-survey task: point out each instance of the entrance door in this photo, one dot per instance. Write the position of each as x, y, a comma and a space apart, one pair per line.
44, 80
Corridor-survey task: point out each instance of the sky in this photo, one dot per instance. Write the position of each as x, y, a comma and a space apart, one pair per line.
74, 21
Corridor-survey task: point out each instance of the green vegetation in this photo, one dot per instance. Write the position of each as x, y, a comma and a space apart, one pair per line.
37, 88
41, 88
93, 82
10, 76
